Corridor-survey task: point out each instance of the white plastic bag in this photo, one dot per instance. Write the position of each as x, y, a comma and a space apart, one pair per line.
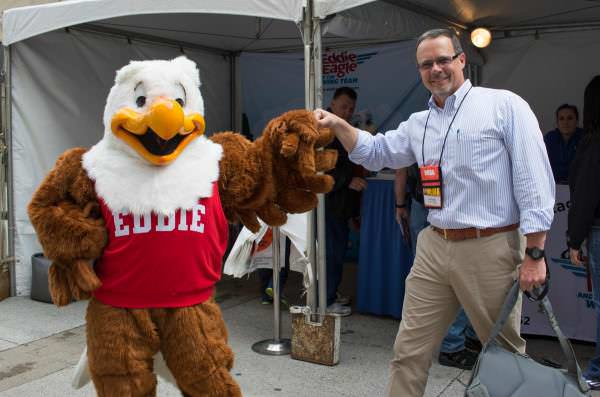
241, 260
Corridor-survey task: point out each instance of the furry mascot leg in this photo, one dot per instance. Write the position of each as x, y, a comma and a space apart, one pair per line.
121, 347
194, 345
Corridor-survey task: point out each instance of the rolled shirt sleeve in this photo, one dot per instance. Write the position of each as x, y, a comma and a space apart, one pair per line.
391, 149
533, 181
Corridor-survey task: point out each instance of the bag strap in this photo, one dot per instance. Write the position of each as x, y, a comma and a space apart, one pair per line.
567, 348
509, 304
507, 307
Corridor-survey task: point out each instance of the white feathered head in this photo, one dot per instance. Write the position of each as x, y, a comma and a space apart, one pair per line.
155, 109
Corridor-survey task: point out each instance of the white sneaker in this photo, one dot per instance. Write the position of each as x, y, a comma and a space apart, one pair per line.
339, 309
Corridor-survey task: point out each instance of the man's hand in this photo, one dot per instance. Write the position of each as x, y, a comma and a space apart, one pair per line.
358, 184
401, 214
344, 132
327, 119
576, 257
532, 273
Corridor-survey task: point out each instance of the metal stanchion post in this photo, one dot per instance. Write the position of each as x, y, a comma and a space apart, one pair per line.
275, 346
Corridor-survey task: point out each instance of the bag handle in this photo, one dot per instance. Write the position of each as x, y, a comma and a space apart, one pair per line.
567, 348
509, 304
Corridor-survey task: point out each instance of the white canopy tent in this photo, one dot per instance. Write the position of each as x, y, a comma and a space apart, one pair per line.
61, 57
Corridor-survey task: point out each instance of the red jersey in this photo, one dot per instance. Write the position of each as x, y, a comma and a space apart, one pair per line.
162, 261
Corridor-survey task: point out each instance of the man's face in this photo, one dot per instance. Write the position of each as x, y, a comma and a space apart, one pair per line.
567, 121
440, 77
343, 106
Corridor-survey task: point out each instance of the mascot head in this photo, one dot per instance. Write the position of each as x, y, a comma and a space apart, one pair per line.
155, 109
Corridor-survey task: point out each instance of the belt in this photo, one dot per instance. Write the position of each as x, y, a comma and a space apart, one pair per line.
472, 232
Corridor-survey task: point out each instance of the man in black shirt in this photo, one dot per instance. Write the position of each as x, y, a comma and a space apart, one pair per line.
341, 204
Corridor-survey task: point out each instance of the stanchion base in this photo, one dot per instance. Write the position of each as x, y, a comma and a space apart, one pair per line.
272, 347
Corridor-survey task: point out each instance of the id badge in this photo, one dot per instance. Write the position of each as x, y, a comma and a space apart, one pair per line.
431, 179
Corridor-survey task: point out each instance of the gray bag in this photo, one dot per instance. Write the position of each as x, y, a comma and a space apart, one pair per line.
500, 373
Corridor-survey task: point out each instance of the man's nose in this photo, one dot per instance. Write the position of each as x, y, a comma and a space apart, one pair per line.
436, 68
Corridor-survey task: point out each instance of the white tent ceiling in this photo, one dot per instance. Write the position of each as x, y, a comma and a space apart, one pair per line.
508, 13
8, 4
224, 24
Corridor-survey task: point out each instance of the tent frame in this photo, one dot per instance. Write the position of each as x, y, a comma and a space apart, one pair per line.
7, 215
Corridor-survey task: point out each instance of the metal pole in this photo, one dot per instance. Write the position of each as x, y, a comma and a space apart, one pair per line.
276, 292
275, 346
318, 100
307, 38
236, 94
9, 238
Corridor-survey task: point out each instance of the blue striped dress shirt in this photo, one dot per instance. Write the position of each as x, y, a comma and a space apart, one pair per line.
495, 169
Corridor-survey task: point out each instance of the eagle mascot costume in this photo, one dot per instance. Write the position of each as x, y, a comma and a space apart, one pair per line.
138, 224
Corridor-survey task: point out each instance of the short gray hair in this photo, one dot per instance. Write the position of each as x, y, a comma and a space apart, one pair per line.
433, 33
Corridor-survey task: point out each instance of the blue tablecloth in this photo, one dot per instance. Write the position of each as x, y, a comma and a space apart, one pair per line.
384, 259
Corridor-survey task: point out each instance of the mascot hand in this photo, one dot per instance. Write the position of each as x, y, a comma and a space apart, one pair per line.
73, 282
295, 141
81, 232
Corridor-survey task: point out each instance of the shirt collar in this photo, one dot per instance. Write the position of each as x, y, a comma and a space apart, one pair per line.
455, 99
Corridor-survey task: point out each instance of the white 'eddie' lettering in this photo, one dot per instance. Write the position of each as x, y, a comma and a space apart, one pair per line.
164, 223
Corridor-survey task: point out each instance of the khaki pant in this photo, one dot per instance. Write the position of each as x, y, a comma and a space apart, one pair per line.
474, 273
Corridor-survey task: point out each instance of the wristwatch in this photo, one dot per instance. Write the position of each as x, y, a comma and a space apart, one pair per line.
535, 253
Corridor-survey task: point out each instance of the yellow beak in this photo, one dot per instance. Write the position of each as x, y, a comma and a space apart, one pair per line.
160, 134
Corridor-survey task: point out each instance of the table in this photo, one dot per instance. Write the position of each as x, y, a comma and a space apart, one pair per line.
384, 259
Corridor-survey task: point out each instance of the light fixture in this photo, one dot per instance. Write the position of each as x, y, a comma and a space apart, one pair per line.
481, 37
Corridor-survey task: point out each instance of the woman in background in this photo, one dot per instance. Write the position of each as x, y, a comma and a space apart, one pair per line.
584, 215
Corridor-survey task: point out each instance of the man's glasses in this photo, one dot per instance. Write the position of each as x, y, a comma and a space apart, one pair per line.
441, 61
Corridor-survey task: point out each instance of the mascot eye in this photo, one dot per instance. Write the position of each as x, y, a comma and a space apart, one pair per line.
180, 101
140, 101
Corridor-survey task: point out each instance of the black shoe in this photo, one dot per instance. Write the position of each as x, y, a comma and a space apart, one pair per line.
473, 344
464, 359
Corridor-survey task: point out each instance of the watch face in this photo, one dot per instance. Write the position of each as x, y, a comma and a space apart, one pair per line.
535, 253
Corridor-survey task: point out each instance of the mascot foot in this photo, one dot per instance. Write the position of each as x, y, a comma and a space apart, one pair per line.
142, 385
218, 384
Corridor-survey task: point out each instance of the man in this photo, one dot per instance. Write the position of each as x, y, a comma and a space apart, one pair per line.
561, 143
341, 204
460, 347
494, 179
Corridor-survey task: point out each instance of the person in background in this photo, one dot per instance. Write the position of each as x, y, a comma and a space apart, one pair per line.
266, 279
460, 346
584, 214
561, 143
341, 205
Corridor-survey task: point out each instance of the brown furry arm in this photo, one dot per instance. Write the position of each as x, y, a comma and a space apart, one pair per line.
65, 213
276, 174
242, 176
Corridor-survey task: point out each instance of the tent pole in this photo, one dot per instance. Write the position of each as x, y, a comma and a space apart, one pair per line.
307, 38
318, 102
7, 195
236, 93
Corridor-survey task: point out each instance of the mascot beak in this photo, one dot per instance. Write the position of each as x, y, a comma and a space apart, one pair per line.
160, 134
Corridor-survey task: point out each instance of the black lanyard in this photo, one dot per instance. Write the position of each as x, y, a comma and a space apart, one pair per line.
447, 131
